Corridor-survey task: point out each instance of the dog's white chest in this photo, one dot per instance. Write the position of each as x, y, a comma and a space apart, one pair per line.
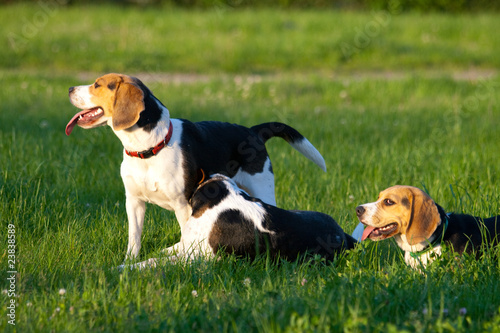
149, 187
150, 183
155, 183
146, 187
422, 260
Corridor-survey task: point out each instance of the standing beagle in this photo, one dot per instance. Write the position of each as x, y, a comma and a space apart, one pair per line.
420, 226
226, 218
162, 155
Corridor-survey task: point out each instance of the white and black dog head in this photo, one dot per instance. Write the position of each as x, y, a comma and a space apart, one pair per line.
119, 100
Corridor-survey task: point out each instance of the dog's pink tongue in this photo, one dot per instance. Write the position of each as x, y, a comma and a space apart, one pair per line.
73, 121
368, 230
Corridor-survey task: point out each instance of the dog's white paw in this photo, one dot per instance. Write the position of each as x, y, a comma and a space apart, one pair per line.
150, 263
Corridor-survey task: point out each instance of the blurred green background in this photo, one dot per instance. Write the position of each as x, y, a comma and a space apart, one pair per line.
420, 5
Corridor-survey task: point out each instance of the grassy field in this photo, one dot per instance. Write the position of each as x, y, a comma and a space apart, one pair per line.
388, 98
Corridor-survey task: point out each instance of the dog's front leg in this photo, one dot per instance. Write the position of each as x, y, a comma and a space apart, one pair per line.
182, 214
135, 213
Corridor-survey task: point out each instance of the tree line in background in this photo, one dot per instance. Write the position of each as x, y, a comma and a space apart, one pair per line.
453, 6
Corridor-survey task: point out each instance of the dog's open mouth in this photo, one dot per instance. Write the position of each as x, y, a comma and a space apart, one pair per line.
85, 118
379, 233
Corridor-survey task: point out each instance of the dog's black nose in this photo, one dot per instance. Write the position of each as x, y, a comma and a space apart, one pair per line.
360, 210
71, 89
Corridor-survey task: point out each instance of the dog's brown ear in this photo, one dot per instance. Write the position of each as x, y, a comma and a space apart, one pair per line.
129, 103
424, 217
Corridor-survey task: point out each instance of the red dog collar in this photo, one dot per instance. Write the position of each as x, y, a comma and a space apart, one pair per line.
156, 149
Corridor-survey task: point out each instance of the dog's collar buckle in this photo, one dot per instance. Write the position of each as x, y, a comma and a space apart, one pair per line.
156, 149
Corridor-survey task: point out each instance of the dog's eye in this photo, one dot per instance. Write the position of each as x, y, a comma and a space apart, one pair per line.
389, 202
96, 85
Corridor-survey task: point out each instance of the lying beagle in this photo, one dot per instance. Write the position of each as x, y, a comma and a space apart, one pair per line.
226, 218
162, 155
420, 226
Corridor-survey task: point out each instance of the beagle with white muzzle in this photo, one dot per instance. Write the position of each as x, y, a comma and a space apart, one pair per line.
226, 218
162, 156
420, 226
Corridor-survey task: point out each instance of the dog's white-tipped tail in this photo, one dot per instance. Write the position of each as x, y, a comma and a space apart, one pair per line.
306, 148
357, 234
293, 137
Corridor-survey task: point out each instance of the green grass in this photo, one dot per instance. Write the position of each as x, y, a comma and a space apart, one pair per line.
107, 39
393, 113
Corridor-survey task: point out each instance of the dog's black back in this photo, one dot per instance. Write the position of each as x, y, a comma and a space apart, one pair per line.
295, 233
467, 233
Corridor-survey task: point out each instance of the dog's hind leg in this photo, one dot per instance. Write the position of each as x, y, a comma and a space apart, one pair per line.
258, 185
